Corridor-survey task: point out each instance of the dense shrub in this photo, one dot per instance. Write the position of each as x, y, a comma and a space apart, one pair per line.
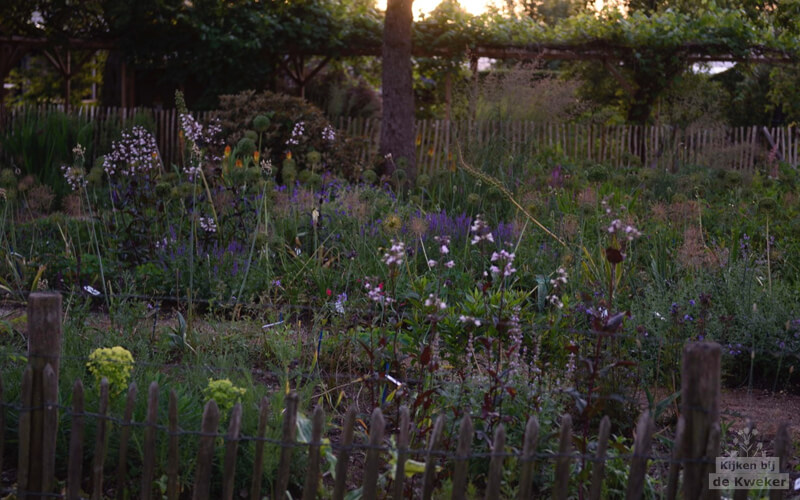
285, 128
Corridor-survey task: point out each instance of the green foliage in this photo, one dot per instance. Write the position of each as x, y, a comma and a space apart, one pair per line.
112, 363
294, 126
224, 393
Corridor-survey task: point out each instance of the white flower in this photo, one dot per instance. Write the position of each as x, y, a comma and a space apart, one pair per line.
297, 134
435, 302
376, 293
628, 231
469, 319
506, 259
560, 279
135, 153
431, 263
443, 242
449, 264
208, 225
395, 254
554, 300
328, 133
480, 231
74, 177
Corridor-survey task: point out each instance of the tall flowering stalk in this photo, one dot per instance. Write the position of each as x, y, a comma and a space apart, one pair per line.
76, 179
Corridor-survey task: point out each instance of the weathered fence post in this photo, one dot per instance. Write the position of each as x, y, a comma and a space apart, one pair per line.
700, 393
44, 348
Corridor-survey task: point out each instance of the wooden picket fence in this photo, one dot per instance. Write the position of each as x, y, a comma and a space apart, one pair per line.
697, 437
664, 146
110, 119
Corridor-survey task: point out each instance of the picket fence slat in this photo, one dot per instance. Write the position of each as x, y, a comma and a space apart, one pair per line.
205, 452
402, 451
2, 423
599, 466
100, 444
343, 459
122, 467
173, 456
782, 447
149, 460
641, 447
369, 489
312, 472
528, 455
463, 449
496, 464
258, 459
49, 426
25, 429
712, 450
562, 461
430, 459
288, 434
231, 447
75, 468
677, 454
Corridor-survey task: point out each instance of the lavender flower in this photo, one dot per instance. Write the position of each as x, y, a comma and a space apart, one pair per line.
338, 306
627, 231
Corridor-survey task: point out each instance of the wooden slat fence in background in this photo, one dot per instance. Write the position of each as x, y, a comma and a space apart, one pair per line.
739, 148
108, 121
697, 440
735, 148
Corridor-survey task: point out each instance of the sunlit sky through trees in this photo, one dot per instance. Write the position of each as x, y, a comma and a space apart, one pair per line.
471, 6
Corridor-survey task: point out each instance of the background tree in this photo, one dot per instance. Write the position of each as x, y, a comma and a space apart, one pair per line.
397, 122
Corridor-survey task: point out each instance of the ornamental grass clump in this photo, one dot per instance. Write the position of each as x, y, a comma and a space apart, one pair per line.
115, 364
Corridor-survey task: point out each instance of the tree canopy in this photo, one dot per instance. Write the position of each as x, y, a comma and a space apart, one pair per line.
233, 44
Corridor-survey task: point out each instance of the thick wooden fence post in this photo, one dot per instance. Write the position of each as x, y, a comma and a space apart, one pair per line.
44, 348
700, 393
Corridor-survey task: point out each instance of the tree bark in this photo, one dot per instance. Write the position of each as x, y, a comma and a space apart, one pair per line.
397, 122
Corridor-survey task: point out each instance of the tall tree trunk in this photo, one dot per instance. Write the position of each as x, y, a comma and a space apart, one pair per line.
397, 122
